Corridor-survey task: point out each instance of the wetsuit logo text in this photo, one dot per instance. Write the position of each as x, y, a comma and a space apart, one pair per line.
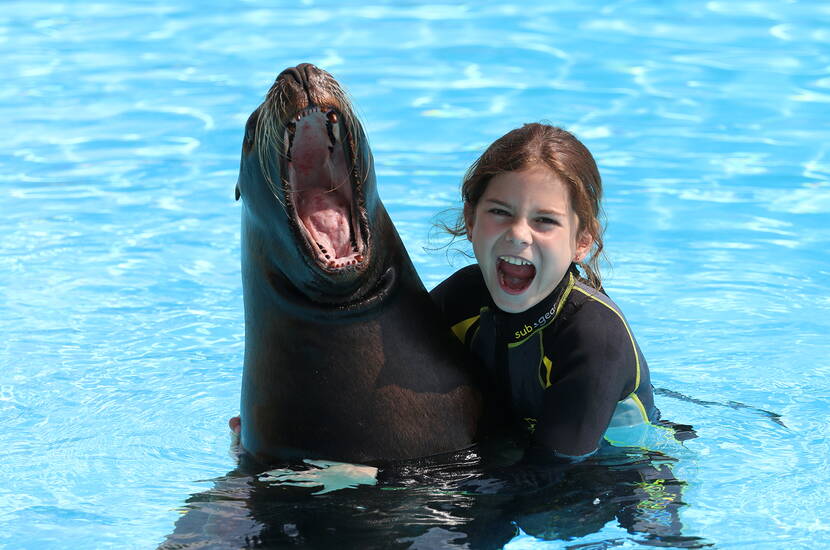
542, 321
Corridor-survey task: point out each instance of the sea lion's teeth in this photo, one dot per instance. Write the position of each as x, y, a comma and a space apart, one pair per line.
514, 260
333, 126
332, 131
288, 139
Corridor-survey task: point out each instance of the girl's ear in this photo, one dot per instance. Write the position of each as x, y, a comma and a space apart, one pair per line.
469, 219
584, 241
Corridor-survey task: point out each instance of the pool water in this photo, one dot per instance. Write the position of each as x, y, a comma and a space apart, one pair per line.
121, 319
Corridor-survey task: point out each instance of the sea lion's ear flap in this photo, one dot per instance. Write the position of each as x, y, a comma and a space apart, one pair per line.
237, 192
250, 131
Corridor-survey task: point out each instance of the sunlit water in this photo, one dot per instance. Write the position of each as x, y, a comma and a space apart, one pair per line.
121, 320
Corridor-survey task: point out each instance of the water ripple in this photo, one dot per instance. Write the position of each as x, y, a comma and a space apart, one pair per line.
119, 270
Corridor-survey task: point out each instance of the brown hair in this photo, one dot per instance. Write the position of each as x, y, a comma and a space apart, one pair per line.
561, 152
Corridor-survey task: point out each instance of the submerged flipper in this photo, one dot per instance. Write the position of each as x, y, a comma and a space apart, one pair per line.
775, 417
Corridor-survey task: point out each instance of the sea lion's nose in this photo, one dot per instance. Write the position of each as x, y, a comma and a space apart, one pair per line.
292, 72
302, 73
307, 70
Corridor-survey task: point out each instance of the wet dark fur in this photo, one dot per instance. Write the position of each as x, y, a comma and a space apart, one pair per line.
355, 365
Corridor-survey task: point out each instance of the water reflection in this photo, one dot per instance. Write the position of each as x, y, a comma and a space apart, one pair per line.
469, 499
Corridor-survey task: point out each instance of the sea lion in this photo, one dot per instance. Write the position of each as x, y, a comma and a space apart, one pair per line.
346, 357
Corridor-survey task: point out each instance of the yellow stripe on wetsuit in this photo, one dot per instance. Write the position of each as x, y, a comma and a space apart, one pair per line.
548, 367
631, 336
460, 329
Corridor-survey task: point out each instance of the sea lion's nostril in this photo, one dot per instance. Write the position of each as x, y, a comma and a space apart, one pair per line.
307, 70
293, 73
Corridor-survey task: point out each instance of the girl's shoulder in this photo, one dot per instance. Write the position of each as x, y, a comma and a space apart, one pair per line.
590, 310
583, 295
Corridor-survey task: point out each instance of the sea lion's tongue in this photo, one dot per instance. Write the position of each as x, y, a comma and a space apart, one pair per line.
325, 215
515, 277
322, 190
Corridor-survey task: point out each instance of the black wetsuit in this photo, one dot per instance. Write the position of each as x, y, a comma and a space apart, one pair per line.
570, 365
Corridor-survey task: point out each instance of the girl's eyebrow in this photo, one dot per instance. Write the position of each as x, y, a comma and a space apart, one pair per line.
497, 201
543, 212
550, 212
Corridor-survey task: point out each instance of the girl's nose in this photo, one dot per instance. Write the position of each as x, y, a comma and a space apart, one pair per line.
519, 233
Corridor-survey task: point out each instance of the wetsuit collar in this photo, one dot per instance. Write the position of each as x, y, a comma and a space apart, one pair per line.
518, 326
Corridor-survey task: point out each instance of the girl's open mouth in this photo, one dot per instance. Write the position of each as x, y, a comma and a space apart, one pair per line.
514, 274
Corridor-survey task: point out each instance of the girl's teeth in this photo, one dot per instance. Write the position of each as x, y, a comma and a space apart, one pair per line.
515, 261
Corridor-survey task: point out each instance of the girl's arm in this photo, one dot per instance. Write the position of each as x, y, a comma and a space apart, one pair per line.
595, 362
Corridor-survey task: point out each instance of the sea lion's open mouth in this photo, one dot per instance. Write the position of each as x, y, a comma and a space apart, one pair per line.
323, 189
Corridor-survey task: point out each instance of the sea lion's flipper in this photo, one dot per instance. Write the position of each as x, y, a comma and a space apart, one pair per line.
775, 417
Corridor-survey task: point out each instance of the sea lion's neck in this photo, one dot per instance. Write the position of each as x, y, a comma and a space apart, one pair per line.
389, 272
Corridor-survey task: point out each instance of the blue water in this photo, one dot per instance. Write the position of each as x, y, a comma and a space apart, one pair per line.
121, 319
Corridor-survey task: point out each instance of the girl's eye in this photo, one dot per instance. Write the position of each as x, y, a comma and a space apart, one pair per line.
499, 211
547, 221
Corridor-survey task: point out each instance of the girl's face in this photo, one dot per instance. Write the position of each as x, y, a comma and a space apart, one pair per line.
525, 236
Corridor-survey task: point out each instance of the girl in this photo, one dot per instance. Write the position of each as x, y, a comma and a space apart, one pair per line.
559, 348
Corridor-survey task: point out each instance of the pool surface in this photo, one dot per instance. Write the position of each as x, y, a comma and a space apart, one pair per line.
122, 322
